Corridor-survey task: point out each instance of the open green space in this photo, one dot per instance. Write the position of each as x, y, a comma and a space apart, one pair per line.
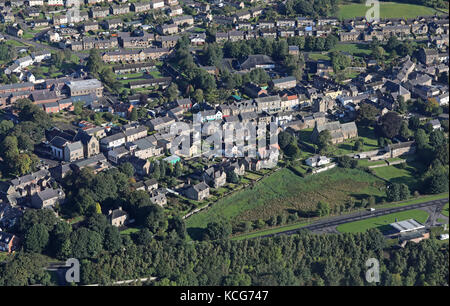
130, 230
407, 175
368, 163
319, 56
382, 222
269, 231
367, 135
353, 49
284, 191
387, 10
445, 210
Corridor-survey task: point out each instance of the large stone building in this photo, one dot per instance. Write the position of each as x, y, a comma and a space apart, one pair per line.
85, 87
339, 131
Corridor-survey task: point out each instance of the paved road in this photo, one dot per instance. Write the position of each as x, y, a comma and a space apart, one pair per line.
327, 225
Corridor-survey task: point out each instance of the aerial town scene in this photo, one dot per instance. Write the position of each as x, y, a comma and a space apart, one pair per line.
190, 143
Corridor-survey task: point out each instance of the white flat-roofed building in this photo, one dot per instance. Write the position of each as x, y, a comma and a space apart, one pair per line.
84, 87
407, 226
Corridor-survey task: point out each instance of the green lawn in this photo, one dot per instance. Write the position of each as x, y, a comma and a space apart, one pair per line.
319, 56
382, 222
354, 49
445, 210
367, 163
130, 230
387, 10
285, 191
15, 43
366, 134
395, 174
272, 230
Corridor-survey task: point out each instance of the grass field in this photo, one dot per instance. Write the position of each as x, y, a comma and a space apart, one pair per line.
130, 230
353, 49
395, 174
387, 10
272, 230
382, 222
297, 225
445, 210
285, 191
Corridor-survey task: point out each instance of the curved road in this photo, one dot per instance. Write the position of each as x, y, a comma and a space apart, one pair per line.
334, 221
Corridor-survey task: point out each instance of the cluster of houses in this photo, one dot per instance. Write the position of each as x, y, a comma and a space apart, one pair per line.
53, 95
19, 66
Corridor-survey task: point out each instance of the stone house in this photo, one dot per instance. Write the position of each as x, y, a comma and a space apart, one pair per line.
47, 198
117, 217
214, 177
198, 192
339, 132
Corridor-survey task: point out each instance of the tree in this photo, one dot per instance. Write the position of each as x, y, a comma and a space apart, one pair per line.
144, 237
156, 173
405, 132
177, 224
112, 240
367, 114
134, 114
359, 144
217, 230
397, 192
347, 162
97, 223
5, 127
36, 238
284, 139
232, 177
198, 95
437, 183
324, 141
292, 151
172, 92
437, 139
178, 170
60, 240
85, 243
421, 138
323, 209
127, 168
414, 123
390, 124
94, 62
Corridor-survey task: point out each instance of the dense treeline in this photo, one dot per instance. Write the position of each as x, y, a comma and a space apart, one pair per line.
430, 3
17, 140
314, 8
303, 259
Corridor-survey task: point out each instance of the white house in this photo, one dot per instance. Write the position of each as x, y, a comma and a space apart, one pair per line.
55, 2
316, 161
157, 4
41, 56
24, 61
113, 141
436, 124
30, 77
209, 115
443, 99
35, 2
